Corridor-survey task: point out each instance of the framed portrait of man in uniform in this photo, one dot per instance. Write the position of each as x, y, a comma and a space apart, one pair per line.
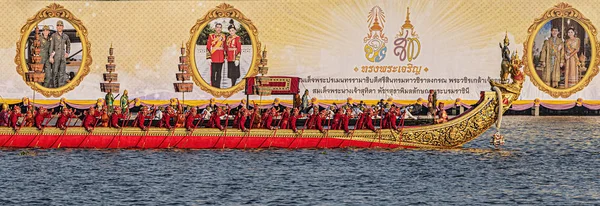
223, 49
53, 54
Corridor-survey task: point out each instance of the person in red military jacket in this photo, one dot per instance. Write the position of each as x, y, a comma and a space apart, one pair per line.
40, 116
116, 116
91, 118
234, 49
64, 117
14, 117
215, 54
189, 119
285, 118
165, 121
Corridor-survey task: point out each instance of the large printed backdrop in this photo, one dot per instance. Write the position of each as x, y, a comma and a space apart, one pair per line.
322, 42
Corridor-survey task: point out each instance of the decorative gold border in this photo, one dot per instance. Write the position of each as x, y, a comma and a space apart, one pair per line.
222, 11
562, 10
54, 11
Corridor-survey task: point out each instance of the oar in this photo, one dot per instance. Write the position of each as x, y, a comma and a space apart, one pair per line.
91, 131
251, 123
275, 132
42, 131
402, 119
245, 133
350, 137
302, 133
147, 129
64, 132
172, 132
225, 132
120, 131
193, 129
326, 135
16, 132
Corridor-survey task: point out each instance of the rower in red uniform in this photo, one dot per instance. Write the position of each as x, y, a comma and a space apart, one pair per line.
294, 117
4, 115
216, 118
346, 120
319, 121
268, 118
362, 119
313, 117
189, 119
391, 118
180, 118
241, 124
337, 120
165, 121
116, 116
236, 118
14, 117
40, 116
255, 117
369, 119
64, 117
89, 122
285, 118
28, 118
141, 118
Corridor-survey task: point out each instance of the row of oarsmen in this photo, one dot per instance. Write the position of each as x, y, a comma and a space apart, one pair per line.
317, 118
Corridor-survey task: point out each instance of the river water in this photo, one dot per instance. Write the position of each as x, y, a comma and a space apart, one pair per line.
545, 161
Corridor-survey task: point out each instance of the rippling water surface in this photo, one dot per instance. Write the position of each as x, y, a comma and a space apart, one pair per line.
546, 160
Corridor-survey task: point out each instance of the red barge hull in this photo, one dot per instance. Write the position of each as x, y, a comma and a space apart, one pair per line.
107, 138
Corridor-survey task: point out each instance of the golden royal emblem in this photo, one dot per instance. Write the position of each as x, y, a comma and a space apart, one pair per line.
407, 41
375, 49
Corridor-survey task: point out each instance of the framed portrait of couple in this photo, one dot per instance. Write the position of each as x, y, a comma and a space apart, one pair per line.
223, 49
561, 51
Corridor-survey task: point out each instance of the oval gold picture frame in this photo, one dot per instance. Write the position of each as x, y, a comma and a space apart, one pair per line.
222, 11
54, 11
562, 10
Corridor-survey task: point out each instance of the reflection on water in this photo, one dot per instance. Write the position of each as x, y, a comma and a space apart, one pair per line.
546, 160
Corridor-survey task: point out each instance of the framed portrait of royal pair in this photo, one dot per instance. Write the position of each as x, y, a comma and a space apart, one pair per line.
223, 49
53, 52
561, 52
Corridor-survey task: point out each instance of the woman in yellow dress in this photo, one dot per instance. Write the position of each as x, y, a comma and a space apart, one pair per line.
572, 59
